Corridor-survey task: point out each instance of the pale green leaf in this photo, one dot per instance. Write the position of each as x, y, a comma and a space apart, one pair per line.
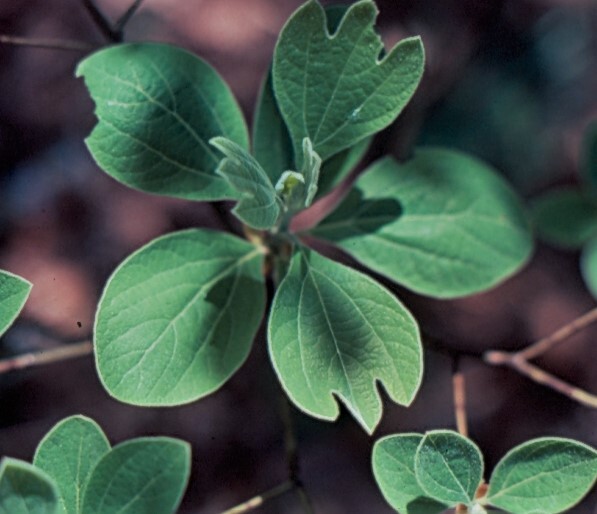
177, 318
588, 266
157, 108
547, 476
68, 453
142, 476
336, 89
394, 470
258, 206
443, 224
25, 489
449, 467
565, 217
272, 146
335, 331
14, 291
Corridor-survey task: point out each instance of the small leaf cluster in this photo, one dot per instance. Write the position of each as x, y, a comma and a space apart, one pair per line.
426, 474
567, 216
178, 317
75, 471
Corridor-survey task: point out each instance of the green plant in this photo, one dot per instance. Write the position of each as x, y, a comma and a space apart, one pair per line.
179, 316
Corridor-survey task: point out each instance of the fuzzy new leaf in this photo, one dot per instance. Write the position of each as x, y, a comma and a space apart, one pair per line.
14, 291
138, 477
25, 489
336, 89
394, 470
442, 224
68, 454
449, 467
157, 108
547, 475
178, 317
335, 331
258, 206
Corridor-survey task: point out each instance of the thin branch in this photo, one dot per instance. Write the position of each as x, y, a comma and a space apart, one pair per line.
519, 361
102, 22
62, 353
48, 43
125, 18
259, 500
459, 392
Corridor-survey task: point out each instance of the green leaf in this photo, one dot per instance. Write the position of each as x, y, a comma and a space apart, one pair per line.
259, 206
565, 217
177, 317
14, 291
588, 266
142, 476
449, 467
68, 454
157, 108
588, 156
547, 476
335, 89
337, 168
443, 224
25, 489
272, 146
394, 471
335, 331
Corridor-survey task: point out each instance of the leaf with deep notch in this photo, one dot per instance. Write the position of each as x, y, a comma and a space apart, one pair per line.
178, 317
335, 331
259, 206
335, 88
157, 108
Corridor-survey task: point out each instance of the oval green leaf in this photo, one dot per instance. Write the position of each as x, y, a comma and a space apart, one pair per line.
68, 453
14, 292
449, 467
565, 217
442, 224
142, 476
335, 331
393, 462
335, 88
177, 317
547, 475
25, 489
157, 108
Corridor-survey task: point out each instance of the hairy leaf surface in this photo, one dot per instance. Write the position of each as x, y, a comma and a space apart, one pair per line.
14, 292
157, 108
177, 318
547, 475
25, 489
335, 331
68, 454
145, 475
336, 89
442, 224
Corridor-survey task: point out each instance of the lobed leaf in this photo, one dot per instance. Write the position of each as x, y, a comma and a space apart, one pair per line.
145, 475
334, 331
394, 471
14, 292
565, 217
178, 317
68, 454
336, 89
547, 475
157, 108
25, 489
442, 224
449, 467
258, 206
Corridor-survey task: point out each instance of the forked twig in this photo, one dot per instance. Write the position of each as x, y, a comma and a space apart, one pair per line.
101, 21
125, 18
519, 361
62, 353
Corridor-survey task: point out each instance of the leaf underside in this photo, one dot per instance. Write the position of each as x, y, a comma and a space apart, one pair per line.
25, 489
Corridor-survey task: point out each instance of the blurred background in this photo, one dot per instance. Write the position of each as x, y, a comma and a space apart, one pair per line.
511, 81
